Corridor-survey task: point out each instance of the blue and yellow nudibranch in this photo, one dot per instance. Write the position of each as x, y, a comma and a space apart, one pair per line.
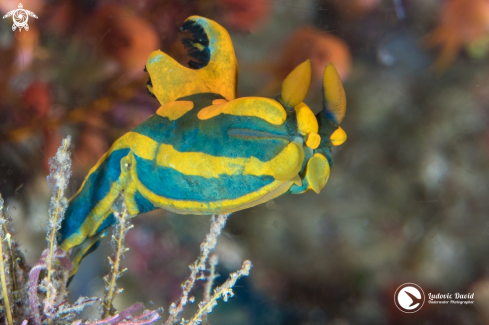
206, 151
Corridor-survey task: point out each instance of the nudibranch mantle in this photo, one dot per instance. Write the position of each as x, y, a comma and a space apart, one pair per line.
206, 151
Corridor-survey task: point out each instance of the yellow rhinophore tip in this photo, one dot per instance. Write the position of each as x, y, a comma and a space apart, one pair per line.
338, 137
313, 140
296, 85
334, 97
317, 172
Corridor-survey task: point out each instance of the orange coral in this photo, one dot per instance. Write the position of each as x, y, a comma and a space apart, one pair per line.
355, 8
37, 101
33, 119
318, 46
124, 36
91, 144
462, 23
242, 15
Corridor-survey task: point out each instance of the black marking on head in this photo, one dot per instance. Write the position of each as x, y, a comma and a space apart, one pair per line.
326, 129
149, 85
197, 46
201, 96
151, 94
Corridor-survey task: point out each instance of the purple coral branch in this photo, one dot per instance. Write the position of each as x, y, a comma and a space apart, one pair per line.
40, 265
147, 317
33, 279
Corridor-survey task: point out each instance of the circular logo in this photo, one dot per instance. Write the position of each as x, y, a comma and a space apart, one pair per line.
409, 298
20, 18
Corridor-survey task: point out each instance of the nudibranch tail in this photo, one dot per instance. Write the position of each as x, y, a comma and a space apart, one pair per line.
214, 70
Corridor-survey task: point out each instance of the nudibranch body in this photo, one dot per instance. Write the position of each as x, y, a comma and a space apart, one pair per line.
206, 151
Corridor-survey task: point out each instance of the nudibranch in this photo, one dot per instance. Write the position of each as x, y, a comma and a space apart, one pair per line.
206, 151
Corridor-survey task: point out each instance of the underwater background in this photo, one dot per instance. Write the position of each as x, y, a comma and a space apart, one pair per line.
408, 196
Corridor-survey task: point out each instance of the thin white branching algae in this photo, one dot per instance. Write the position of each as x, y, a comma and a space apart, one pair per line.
225, 292
213, 262
111, 290
54, 261
208, 245
58, 181
13, 271
4, 269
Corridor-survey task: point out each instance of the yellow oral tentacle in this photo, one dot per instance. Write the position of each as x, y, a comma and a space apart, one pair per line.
313, 140
317, 172
338, 137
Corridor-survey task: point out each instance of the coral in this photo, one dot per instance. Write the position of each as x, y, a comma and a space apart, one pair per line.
126, 37
462, 24
356, 8
321, 47
240, 15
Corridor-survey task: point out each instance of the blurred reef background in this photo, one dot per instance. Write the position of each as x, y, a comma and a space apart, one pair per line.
407, 199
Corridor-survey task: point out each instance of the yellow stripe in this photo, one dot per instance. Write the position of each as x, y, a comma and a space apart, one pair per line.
129, 200
265, 193
81, 251
142, 145
175, 110
264, 108
95, 217
283, 167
